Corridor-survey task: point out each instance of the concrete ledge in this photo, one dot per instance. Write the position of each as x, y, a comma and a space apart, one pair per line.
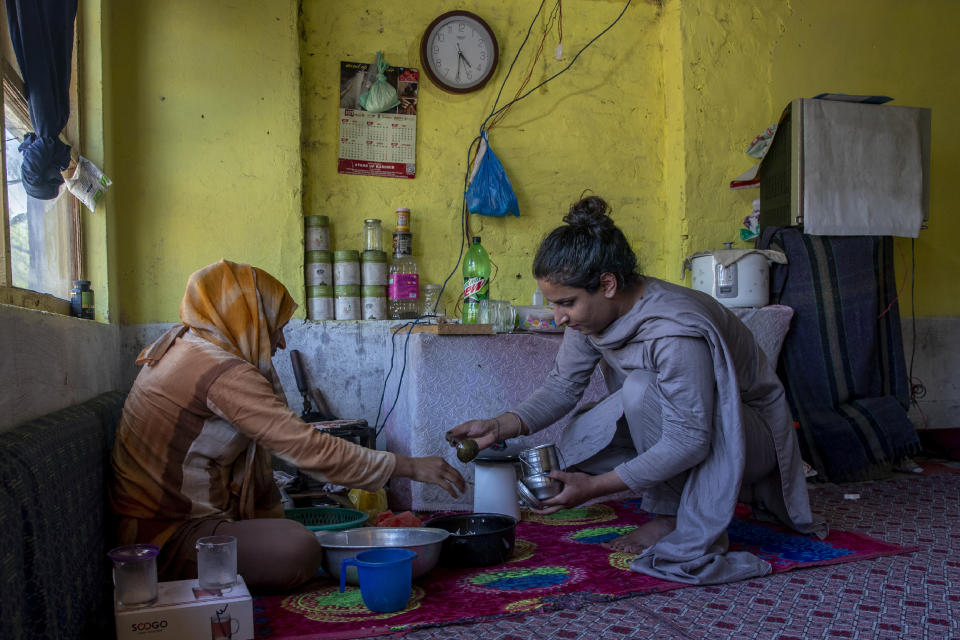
51, 361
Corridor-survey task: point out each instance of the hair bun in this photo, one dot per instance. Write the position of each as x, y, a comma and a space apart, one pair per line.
589, 212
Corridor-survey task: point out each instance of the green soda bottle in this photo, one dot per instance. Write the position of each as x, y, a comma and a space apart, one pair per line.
476, 281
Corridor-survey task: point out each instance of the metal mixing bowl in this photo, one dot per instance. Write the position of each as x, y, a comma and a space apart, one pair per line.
340, 545
526, 497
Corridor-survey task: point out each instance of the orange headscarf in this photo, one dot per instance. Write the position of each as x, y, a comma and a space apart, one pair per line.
236, 307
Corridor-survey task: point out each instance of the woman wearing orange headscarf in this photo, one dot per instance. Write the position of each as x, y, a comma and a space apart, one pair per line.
192, 452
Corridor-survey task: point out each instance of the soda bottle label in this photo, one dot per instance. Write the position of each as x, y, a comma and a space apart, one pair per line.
404, 286
475, 289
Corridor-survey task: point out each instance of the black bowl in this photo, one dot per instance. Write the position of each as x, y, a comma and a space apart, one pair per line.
476, 540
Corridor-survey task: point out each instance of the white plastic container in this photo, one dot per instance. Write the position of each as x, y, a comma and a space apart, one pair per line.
346, 301
318, 268
346, 267
736, 278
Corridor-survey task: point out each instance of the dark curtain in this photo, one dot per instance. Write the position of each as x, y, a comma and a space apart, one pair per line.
42, 35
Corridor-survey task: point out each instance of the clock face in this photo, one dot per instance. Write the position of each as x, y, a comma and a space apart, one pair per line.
459, 52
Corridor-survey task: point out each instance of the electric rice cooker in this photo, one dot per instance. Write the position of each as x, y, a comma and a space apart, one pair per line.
735, 277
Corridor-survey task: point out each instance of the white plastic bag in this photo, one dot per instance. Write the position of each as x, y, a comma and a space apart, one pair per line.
88, 183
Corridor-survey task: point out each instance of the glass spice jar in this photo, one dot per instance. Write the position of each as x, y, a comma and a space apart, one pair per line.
372, 235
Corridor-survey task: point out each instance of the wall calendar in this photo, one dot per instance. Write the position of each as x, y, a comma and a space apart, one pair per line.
377, 144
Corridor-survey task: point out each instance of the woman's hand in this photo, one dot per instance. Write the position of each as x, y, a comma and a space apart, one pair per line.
486, 432
578, 488
433, 470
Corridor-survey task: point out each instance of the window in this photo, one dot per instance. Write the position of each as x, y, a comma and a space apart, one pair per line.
40, 247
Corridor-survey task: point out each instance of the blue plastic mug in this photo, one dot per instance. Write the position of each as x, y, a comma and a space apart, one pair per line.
385, 576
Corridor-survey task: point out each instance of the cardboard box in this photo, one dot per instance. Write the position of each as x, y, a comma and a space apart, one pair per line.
183, 611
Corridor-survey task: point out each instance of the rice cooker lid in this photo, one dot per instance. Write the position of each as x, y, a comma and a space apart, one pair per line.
727, 257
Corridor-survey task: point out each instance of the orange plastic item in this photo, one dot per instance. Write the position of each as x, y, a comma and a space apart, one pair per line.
391, 519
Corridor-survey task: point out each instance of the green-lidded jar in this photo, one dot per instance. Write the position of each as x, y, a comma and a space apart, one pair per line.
373, 268
346, 299
316, 233
318, 268
320, 302
346, 267
374, 302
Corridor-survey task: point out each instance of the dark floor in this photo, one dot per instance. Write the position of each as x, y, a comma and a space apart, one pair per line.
913, 595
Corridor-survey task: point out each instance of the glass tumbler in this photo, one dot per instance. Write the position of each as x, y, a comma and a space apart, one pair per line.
217, 562
487, 313
506, 316
222, 626
432, 303
135, 574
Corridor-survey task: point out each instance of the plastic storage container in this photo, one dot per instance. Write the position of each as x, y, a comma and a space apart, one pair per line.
346, 301
346, 267
320, 303
373, 268
316, 233
373, 302
318, 268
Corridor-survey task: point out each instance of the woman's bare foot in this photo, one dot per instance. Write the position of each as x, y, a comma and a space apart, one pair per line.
646, 535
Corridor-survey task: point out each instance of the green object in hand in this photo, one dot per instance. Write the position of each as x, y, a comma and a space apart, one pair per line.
467, 450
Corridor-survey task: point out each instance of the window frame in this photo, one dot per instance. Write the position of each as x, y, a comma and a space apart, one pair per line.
11, 84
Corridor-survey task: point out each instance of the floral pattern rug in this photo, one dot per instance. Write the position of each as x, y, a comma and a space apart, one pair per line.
557, 563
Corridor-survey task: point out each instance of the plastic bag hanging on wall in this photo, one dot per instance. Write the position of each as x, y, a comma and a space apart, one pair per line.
381, 96
489, 192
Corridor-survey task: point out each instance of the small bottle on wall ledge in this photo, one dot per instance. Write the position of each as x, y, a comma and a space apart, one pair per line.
403, 287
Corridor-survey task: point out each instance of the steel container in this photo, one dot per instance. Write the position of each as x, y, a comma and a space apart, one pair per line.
338, 545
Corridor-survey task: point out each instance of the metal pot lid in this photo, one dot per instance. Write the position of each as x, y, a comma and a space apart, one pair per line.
527, 497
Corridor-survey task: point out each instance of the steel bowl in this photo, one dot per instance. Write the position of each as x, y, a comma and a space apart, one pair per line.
476, 539
542, 486
526, 497
340, 545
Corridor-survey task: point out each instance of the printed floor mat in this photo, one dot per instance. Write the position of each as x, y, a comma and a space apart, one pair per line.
557, 563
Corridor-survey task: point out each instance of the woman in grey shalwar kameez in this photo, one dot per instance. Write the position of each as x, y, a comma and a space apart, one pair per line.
705, 421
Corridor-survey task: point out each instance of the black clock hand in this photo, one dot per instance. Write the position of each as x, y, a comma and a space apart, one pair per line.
463, 57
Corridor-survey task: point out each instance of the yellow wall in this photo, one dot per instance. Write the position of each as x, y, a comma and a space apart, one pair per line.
746, 61
655, 117
206, 137
598, 126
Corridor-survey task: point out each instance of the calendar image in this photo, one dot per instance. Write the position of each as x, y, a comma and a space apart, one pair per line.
377, 144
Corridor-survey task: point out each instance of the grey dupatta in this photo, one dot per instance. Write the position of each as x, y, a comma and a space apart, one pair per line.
696, 551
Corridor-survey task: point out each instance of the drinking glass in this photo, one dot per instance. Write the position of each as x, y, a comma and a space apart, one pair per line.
135, 574
506, 316
222, 626
217, 562
487, 313
432, 303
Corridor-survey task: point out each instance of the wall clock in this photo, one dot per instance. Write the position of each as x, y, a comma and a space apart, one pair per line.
459, 52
